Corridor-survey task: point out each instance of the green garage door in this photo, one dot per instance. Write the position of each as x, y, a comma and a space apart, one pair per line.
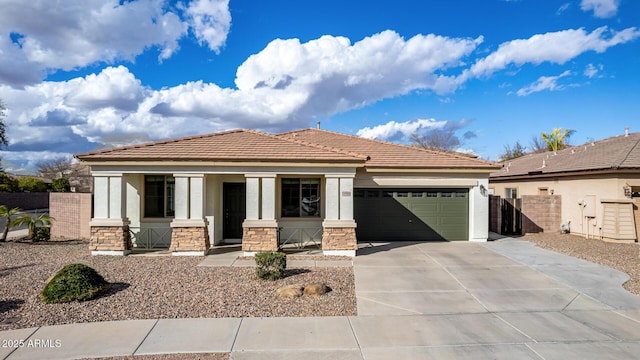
411, 214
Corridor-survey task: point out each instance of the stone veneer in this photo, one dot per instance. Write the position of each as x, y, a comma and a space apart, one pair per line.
110, 238
257, 239
339, 238
190, 239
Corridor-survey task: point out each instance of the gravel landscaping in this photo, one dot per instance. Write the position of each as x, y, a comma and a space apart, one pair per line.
154, 287
622, 257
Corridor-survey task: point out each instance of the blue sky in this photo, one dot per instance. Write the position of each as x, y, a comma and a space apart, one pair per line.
89, 74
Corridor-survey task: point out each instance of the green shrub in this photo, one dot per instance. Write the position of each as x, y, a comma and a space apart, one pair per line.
8, 183
43, 233
60, 185
271, 265
74, 282
31, 184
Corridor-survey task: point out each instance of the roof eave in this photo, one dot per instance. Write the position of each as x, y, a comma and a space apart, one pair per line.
565, 174
432, 169
220, 162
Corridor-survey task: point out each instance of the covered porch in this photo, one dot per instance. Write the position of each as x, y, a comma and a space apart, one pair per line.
189, 211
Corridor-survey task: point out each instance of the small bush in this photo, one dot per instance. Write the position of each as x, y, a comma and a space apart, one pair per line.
271, 265
8, 183
74, 282
60, 185
31, 184
43, 233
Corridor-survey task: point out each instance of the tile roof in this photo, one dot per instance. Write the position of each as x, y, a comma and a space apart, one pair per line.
614, 153
389, 155
235, 145
307, 145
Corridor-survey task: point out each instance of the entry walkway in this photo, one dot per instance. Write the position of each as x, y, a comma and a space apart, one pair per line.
505, 299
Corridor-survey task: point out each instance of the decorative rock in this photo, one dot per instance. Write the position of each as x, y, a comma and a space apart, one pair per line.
290, 291
316, 289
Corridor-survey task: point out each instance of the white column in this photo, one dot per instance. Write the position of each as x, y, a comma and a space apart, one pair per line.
109, 201
101, 197
346, 198
182, 197
196, 196
332, 198
253, 198
479, 212
116, 192
269, 198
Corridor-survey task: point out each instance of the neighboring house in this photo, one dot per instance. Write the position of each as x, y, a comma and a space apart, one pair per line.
80, 178
79, 175
599, 185
307, 186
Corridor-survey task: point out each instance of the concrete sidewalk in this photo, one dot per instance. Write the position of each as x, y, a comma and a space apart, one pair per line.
503, 300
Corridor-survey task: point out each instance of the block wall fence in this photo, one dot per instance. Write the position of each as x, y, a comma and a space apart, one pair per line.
72, 214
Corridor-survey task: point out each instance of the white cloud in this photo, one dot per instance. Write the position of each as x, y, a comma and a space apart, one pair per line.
555, 47
393, 130
601, 8
544, 83
289, 82
78, 33
591, 70
283, 86
113, 87
210, 21
564, 7
24, 162
381, 58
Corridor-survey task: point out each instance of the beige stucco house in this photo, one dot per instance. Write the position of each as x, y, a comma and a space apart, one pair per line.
599, 184
305, 187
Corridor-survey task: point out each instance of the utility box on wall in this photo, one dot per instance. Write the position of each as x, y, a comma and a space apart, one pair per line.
589, 206
619, 221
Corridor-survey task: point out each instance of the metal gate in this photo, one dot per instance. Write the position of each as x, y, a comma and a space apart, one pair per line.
511, 211
150, 238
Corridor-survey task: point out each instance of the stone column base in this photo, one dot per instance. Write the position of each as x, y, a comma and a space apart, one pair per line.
259, 239
339, 238
192, 240
110, 239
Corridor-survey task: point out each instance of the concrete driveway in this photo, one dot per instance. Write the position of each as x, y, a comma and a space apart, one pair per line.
503, 299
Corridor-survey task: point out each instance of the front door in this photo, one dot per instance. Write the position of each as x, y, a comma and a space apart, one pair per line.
234, 203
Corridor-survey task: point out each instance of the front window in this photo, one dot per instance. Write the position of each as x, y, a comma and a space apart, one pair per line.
511, 193
300, 197
159, 196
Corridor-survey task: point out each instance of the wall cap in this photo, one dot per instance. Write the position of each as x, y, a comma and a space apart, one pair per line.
188, 223
339, 224
97, 222
263, 223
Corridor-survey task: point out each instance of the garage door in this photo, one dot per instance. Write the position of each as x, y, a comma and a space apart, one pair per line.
411, 214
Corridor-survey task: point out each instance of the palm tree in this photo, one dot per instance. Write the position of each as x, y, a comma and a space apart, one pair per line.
557, 138
33, 223
7, 214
